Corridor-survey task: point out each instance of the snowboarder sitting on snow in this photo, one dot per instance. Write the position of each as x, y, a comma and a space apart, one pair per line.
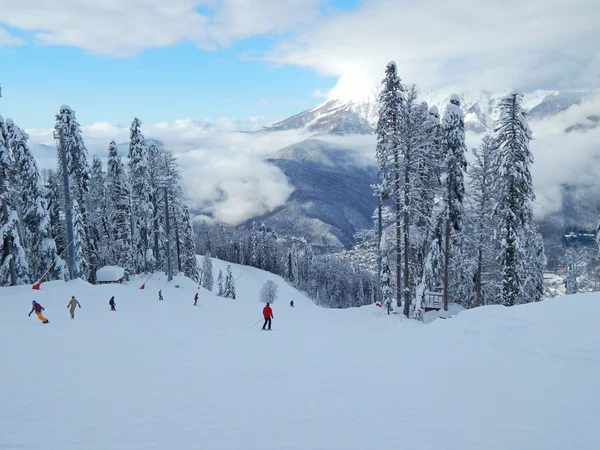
196, 299
112, 303
268, 315
292, 303
38, 310
71, 305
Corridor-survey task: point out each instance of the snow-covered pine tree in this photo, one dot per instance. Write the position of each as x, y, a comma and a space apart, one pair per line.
207, 273
360, 295
118, 212
14, 268
532, 266
514, 205
254, 245
577, 259
452, 179
98, 227
141, 206
157, 174
295, 266
229, 288
189, 262
417, 169
387, 294
79, 172
388, 152
52, 194
32, 208
82, 266
483, 177
220, 286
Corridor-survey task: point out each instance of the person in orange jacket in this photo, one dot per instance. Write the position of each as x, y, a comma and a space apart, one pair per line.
268, 315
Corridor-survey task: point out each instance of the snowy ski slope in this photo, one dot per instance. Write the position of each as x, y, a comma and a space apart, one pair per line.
170, 376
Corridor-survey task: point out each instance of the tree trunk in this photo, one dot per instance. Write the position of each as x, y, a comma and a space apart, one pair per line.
478, 293
379, 235
406, 239
447, 264
398, 230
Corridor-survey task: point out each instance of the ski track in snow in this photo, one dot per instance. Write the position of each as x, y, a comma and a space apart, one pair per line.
168, 375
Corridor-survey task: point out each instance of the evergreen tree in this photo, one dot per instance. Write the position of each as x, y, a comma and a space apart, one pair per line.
387, 294
254, 246
295, 266
360, 295
79, 171
453, 150
118, 212
207, 273
220, 284
98, 227
483, 178
515, 188
32, 208
156, 171
79, 174
52, 194
388, 152
229, 288
189, 262
141, 206
417, 170
13, 261
82, 267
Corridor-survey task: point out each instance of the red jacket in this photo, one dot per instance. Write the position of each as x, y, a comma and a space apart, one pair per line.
267, 312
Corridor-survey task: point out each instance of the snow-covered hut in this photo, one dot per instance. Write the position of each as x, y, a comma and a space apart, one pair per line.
110, 274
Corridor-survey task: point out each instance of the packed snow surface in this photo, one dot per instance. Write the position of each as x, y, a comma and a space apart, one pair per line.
169, 375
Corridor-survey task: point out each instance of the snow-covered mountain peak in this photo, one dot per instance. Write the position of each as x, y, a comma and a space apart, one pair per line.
351, 108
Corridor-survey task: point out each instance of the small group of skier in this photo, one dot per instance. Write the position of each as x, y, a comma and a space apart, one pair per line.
73, 303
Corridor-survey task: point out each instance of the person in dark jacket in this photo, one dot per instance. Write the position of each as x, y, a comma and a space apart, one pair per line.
292, 303
38, 310
268, 315
196, 299
112, 304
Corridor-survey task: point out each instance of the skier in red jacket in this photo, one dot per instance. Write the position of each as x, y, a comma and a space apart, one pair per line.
196, 299
268, 315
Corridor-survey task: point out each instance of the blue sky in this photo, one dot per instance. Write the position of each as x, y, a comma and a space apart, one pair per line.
207, 59
161, 84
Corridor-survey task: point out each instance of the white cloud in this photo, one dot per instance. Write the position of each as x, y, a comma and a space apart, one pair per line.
523, 43
321, 93
564, 158
265, 101
125, 27
224, 173
7, 39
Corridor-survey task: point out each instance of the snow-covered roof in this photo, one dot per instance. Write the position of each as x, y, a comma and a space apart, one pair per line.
110, 273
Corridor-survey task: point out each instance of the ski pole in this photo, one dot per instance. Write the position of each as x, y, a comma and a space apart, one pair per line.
256, 323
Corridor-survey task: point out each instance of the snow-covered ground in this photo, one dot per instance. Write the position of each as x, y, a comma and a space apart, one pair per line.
171, 376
